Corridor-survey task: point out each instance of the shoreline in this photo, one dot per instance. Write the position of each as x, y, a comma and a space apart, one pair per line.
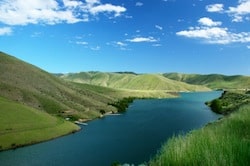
180, 148
16, 146
211, 138
79, 123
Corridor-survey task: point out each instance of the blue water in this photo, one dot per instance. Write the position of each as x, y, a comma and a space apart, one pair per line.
133, 137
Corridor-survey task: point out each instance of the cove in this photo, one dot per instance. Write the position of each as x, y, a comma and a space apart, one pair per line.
133, 137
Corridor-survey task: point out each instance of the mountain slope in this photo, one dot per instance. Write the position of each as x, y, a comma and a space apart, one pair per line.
36, 88
131, 81
215, 81
21, 125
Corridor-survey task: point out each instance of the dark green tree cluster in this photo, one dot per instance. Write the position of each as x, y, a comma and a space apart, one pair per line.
102, 111
116, 163
229, 101
216, 106
122, 104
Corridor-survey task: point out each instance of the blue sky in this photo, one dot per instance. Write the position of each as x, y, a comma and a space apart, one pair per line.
143, 36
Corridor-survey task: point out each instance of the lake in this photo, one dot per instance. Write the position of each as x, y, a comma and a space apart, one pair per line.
133, 137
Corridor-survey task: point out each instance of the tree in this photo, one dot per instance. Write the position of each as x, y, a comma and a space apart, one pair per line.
102, 112
216, 106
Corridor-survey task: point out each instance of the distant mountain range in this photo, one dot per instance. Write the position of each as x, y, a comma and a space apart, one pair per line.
166, 81
214, 81
132, 81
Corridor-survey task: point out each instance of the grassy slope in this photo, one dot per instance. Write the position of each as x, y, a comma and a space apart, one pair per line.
229, 101
28, 84
122, 93
20, 125
214, 81
225, 142
132, 81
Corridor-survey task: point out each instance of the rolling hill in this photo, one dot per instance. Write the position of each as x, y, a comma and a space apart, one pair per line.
27, 84
214, 81
132, 81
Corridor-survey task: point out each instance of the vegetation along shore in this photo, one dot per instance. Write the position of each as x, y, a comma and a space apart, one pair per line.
224, 142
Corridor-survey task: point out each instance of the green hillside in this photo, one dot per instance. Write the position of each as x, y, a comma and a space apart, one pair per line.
214, 81
38, 89
132, 81
21, 125
123, 93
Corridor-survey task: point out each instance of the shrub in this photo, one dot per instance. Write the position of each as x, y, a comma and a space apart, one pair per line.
216, 106
102, 112
116, 163
122, 104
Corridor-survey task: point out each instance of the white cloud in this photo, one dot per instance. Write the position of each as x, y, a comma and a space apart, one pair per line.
216, 35
168, 0
211, 31
5, 31
248, 47
242, 9
121, 44
157, 45
139, 4
72, 3
208, 22
82, 43
237, 18
92, 2
97, 48
36, 34
18, 12
204, 32
215, 7
180, 20
239, 12
142, 39
128, 17
159, 27
108, 8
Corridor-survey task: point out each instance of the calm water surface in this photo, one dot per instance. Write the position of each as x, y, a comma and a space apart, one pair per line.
133, 137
